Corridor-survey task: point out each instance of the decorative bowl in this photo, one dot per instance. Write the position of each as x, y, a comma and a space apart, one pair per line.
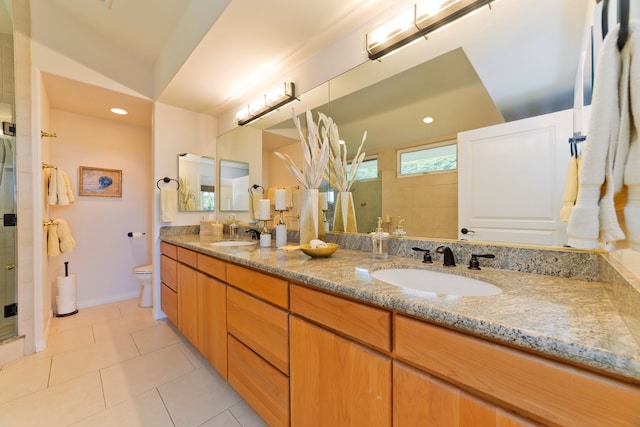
319, 252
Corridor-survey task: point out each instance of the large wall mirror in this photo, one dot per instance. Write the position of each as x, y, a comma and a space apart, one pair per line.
196, 175
472, 74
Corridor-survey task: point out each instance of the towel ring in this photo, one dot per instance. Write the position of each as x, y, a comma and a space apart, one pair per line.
255, 187
166, 179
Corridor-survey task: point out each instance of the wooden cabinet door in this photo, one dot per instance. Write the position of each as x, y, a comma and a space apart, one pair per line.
422, 400
188, 303
212, 327
169, 303
335, 381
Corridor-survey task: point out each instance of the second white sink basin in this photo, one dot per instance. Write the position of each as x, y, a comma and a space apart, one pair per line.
234, 243
435, 282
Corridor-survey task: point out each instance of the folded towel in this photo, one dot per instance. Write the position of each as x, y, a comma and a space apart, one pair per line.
168, 204
53, 243
67, 242
315, 243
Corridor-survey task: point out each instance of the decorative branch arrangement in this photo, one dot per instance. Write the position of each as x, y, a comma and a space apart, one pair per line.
315, 149
324, 156
339, 174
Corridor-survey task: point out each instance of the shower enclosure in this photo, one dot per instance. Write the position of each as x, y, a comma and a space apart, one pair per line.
8, 295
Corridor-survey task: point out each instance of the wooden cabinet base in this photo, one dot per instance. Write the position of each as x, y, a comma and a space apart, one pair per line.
263, 387
335, 381
422, 400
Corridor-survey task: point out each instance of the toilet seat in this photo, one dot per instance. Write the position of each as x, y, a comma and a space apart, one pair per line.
143, 269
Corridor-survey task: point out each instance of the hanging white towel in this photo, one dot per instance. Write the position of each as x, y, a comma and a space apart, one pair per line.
570, 189
168, 204
611, 156
52, 188
67, 242
254, 205
53, 243
61, 188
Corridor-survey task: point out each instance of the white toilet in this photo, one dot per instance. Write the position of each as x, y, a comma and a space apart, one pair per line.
143, 274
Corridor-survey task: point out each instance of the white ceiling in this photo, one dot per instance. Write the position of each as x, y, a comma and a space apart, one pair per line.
252, 42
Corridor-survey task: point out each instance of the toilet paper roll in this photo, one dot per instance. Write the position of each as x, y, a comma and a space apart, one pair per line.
66, 284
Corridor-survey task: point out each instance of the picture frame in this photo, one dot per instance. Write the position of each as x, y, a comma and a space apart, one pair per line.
100, 182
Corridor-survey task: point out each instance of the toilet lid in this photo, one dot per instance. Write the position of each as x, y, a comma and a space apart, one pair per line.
143, 269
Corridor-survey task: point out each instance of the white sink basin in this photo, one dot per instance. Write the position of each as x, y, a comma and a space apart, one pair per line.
234, 243
436, 282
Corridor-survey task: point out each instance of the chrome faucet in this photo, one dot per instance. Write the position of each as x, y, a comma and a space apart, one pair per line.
448, 258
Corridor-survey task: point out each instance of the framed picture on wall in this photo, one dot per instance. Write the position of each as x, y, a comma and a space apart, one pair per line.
100, 182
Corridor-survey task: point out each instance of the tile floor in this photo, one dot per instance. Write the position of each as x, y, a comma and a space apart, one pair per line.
113, 365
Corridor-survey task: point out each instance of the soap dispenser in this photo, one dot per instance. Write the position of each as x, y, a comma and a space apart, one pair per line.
380, 242
399, 229
233, 228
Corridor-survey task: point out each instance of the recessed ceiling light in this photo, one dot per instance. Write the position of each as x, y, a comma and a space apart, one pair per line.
119, 111
428, 120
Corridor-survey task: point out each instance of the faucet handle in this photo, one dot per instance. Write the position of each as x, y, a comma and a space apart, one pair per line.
427, 255
474, 264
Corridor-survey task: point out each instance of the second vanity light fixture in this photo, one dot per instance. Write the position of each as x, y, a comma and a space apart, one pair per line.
425, 17
272, 100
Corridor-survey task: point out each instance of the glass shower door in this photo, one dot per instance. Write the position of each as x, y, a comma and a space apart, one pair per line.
8, 294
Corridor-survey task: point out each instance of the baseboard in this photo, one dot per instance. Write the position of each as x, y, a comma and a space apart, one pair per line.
106, 300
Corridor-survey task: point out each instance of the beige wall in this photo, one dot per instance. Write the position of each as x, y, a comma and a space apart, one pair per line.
427, 203
105, 256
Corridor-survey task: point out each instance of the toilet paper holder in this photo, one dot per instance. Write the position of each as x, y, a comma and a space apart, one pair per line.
136, 234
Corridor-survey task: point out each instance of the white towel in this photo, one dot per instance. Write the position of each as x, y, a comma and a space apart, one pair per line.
611, 156
254, 205
52, 188
168, 204
67, 242
61, 188
583, 229
570, 189
53, 243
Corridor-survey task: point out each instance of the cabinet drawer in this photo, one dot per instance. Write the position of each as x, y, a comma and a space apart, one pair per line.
261, 326
168, 249
169, 303
266, 287
212, 266
367, 324
188, 257
547, 390
264, 387
169, 272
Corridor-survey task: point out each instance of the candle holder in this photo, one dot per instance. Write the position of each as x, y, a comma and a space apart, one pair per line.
281, 230
265, 235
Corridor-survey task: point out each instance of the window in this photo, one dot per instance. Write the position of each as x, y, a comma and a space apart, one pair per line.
427, 159
368, 169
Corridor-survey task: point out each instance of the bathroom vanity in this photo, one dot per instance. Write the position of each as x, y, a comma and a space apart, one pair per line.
321, 342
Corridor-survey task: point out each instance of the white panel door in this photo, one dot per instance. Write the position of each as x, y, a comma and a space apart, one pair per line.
511, 179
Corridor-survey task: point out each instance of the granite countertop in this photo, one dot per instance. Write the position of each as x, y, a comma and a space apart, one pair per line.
573, 320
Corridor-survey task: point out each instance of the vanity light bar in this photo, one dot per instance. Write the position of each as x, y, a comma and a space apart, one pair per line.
425, 18
272, 100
